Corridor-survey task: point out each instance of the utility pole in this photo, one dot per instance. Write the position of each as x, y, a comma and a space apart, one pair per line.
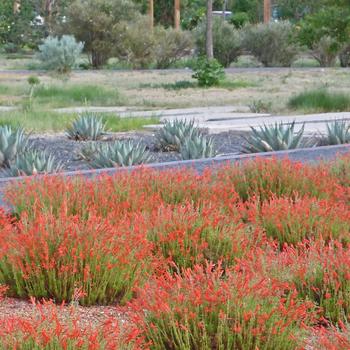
177, 14
267, 11
209, 32
16, 6
151, 12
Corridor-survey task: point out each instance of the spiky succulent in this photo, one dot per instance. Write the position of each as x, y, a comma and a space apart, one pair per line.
338, 132
86, 127
12, 142
198, 147
114, 154
174, 133
275, 137
32, 162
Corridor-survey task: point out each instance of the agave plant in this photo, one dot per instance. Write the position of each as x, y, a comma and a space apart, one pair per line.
338, 132
12, 142
114, 154
86, 127
275, 137
174, 133
32, 162
198, 147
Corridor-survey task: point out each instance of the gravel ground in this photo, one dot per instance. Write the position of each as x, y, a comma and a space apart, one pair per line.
67, 151
93, 316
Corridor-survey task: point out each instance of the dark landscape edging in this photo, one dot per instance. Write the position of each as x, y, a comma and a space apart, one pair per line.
304, 155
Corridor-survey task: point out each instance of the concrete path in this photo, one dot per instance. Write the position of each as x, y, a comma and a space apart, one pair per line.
217, 119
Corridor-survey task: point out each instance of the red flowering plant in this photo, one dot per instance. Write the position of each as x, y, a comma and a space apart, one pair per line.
48, 257
185, 235
263, 178
290, 221
331, 338
318, 271
204, 308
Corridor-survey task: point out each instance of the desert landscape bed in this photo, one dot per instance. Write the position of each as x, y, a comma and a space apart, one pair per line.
246, 256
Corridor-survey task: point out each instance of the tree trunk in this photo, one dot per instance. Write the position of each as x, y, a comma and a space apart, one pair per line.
267, 11
209, 32
177, 14
151, 12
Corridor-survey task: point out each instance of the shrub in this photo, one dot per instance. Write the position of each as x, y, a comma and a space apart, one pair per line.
226, 41
270, 43
320, 100
318, 271
171, 46
136, 42
185, 235
33, 162
49, 257
323, 37
344, 56
208, 72
264, 179
239, 19
292, 221
276, 137
101, 36
86, 127
60, 54
202, 309
325, 51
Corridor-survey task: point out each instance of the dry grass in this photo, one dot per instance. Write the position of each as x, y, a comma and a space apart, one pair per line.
143, 88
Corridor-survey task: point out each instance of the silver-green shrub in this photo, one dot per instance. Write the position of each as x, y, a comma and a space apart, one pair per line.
271, 43
60, 54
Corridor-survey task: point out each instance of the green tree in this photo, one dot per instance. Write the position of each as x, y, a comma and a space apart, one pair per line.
19, 28
97, 24
326, 32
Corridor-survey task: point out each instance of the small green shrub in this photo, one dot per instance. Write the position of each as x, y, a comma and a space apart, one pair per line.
208, 72
275, 137
115, 154
320, 100
198, 147
226, 41
260, 106
174, 133
32, 162
271, 43
86, 127
60, 54
239, 19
